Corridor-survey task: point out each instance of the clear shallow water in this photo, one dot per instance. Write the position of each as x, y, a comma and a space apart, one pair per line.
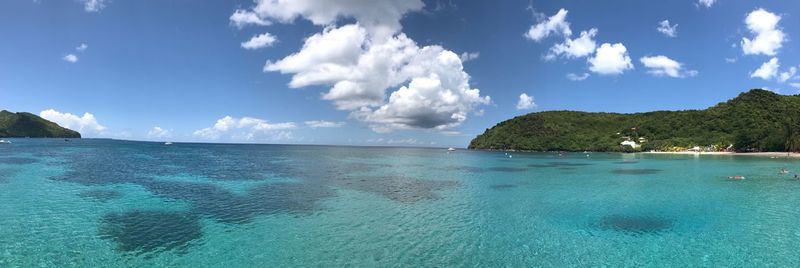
116, 203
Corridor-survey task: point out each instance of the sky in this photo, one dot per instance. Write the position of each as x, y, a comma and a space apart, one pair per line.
378, 73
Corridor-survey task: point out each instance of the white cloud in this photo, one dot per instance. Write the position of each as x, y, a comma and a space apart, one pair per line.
402, 141
664, 66
776, 90
376, 140
408, 141
768, 37
731, 60
159, 133
440, 100
669, 30
93, 5
555, 24
768, 70
582, 46
610, 59
577, 77
71, 58
380, 18
575, 48
241, 18
260, 41
360, 61
246, 128
791, 74
525, 102
82, 47
706, 3
87, 125
795, 85
323, 124
451, 133
468, 56
360, 72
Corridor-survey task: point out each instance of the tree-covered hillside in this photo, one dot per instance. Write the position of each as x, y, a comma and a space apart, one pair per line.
757, 120
31, 125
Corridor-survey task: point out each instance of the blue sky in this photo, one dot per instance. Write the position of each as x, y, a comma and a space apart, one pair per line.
393, 72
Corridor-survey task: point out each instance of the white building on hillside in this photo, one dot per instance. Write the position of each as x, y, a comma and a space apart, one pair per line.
632, 144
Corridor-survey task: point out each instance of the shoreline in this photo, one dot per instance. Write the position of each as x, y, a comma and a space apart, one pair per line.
759, 154
755, 154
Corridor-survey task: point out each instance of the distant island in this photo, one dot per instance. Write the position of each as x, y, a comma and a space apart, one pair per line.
28, 125
755, 121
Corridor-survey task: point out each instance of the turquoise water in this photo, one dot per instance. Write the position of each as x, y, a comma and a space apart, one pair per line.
90, 203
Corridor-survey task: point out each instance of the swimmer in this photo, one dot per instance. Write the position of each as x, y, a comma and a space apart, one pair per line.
738, 178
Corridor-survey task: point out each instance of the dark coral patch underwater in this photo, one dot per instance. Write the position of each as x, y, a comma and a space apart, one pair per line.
635, 224
401, 189
315, 178
100, 195
636, 171
502, 186
18, 160
142, 232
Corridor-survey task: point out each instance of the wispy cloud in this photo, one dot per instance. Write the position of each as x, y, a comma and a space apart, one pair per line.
159, 133
246, 129
93, 5
577, 77
323, 124
664, 66
669, 30
71, 58
260, 41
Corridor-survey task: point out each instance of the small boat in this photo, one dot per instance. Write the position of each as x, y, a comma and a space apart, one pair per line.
451, 149
5, 142
168, 143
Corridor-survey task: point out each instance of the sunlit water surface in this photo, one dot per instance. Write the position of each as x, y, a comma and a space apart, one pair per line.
93, 203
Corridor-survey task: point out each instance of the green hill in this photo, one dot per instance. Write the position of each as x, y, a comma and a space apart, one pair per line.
757, 120
31, 125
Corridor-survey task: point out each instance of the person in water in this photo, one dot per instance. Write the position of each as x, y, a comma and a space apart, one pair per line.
736, 177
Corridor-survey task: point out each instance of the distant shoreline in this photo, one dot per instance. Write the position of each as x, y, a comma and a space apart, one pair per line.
757, 154
760, 154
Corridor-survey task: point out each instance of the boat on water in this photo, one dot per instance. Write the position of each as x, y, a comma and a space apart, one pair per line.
4, 142
451, 149
168, 143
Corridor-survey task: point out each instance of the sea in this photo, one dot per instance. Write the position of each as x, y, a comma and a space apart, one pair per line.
112, 203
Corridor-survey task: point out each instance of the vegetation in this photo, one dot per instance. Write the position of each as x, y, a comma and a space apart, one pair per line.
31, 125
757, 120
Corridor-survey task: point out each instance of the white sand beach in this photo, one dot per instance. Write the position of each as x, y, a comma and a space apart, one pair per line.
760, 154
